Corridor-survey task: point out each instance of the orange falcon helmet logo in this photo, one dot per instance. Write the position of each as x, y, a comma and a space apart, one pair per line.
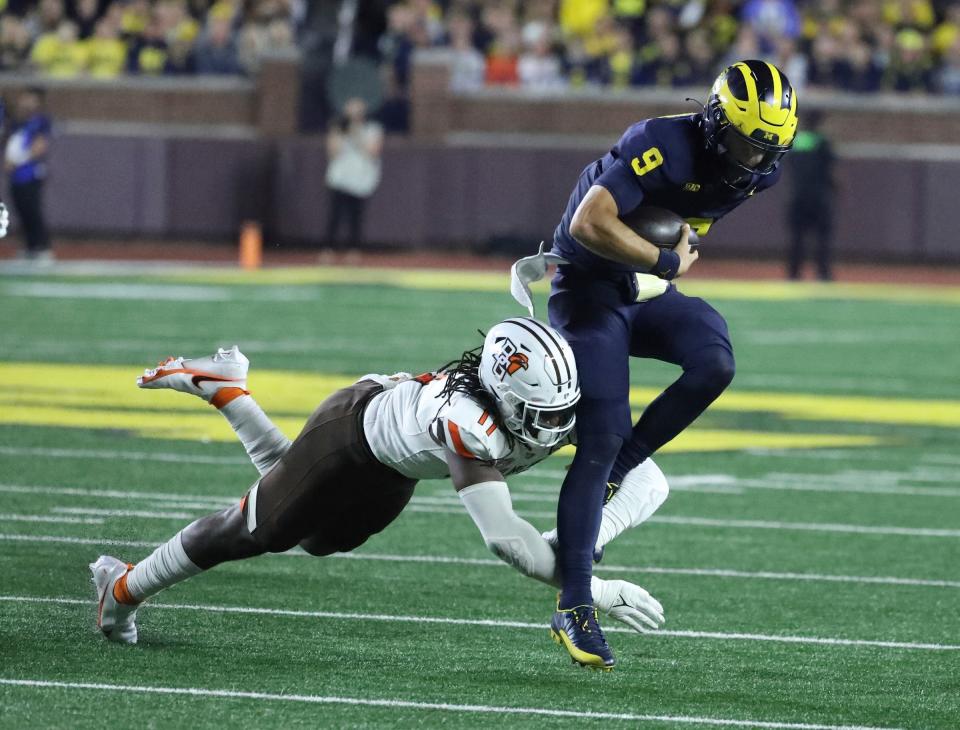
517, 361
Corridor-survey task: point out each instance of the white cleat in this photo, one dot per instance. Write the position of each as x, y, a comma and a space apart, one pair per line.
203, 376
114, 619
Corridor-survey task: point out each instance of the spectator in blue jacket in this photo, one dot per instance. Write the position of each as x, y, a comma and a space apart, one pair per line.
26, 166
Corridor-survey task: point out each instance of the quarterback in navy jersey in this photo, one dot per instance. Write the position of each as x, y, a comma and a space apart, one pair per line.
700, 166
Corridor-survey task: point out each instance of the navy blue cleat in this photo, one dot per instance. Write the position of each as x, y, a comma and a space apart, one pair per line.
578, 630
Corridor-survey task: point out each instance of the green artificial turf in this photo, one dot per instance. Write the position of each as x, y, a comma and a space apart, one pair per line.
809, 587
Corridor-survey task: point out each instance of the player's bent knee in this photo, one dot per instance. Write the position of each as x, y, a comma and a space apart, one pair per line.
725, 367
711, 371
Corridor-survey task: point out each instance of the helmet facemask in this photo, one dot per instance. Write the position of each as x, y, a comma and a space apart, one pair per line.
537, 425
750, 156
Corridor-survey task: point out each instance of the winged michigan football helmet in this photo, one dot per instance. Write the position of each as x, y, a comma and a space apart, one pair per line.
750, 119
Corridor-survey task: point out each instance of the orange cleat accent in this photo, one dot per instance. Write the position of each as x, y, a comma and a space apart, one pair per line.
120, 591
226, 395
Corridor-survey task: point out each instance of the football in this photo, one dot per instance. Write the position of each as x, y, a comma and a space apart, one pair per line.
658, 225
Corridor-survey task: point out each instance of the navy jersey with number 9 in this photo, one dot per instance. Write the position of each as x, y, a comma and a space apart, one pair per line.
661, 162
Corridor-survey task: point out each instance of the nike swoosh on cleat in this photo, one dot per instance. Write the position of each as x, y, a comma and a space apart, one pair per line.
197, 379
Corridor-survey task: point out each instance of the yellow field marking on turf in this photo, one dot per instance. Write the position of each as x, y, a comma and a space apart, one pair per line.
208, 426
697, 439
199, 426
105, 397
804, 291
495, 281
441, 279
297, 393
851, 409
99, 386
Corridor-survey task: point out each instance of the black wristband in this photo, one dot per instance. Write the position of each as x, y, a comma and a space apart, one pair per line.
668, 264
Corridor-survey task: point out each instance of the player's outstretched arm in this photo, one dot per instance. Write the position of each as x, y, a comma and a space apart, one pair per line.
515, 541
518, 543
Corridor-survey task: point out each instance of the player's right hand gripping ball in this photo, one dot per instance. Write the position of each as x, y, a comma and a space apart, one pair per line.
659, 226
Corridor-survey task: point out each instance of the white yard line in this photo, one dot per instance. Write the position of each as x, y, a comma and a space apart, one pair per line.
48, 518
57, 539
820, 454
844, 386
430, 706
854, 483
490, 562
835, 337
520, 485
450, 505
860, 478
674, 479
136, 292
528, 493
531, 492
144, 514
941, 459
808, 526
826, 486
124, 455
703, 572
436, 505
934, 474
919, 472
201, 507
496, 623
118, 494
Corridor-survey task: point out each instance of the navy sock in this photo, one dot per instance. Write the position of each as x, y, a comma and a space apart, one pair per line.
632, 453
578, 514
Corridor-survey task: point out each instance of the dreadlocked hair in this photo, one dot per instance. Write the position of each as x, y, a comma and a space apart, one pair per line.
463, 376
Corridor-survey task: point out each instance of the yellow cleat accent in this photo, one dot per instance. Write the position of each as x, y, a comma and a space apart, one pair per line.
583, 658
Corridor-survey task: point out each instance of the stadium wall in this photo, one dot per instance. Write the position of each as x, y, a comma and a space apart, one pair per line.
449, 197
192, 159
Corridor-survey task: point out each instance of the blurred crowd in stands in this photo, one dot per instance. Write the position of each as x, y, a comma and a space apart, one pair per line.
109, 38
541, 45
858, 45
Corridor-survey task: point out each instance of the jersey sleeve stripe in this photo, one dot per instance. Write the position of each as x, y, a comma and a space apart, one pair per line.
458, 442
491, 428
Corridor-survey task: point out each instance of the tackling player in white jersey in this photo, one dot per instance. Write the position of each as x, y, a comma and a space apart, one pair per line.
352, 470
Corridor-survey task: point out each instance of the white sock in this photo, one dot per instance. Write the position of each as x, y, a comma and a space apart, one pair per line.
642, 491
166, 565
260, 437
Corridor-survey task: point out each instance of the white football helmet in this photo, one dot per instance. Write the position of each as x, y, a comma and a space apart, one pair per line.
530, 370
